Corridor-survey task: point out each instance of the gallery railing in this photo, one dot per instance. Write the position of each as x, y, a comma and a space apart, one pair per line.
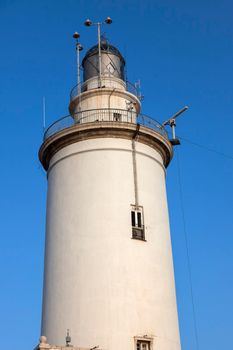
84, 86
104, 115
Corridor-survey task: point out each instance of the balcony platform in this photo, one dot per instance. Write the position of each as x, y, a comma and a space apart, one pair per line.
102, 123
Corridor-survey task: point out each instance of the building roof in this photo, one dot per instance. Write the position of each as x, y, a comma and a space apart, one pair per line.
105, 47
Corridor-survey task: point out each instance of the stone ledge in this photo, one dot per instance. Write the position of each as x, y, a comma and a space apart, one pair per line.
103, 129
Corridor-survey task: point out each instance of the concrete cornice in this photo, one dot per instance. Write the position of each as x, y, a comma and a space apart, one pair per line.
103, 129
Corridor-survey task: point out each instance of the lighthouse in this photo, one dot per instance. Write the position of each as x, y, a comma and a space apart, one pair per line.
108, 273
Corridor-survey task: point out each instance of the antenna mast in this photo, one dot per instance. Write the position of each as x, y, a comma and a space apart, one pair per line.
172, 123
79, 48
89, 23
43, 123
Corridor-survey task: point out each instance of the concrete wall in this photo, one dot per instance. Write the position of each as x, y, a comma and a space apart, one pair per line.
108, 98
104, 286
107, 81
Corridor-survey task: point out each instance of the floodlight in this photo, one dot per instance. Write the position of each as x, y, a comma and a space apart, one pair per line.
76, 35
108, 20
88, 22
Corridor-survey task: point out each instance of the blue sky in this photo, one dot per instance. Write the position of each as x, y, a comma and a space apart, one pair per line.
182, 52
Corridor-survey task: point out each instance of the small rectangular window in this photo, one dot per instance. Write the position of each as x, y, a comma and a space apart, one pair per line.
143, 345
116, 117
139, 217
137, 223
133, 221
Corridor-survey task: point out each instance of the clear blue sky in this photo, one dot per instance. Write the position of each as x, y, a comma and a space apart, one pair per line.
182, 51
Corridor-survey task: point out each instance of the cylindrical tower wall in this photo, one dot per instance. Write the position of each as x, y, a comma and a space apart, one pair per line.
104, 286
107, 82
115, 105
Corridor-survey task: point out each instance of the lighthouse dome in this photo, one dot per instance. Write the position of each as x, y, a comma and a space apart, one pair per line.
112, 61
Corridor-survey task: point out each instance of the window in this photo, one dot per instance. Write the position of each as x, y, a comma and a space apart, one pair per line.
116, 117
111, 68
143, 345
137, 225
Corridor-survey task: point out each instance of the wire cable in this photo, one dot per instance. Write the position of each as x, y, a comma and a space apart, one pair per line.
187, 250
207, 148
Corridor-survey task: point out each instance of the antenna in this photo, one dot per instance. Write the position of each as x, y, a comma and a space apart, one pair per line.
89, 23
137, 85
68, 338
79, 48
43, 123
172, 123
126, 71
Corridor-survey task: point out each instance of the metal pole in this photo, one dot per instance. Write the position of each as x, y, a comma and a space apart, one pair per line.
78, 69
173, 132
43, 114
173, 125
100, 72
135, 177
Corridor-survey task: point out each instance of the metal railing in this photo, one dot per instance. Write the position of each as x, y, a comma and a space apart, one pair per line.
132, 89
104, 115
83, 86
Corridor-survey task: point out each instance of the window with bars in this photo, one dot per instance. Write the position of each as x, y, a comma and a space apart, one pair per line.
137, 223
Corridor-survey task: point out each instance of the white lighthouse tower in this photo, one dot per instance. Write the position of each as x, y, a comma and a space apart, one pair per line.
108, 275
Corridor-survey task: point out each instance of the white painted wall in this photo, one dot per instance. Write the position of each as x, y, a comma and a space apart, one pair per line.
104, 286
105, 98
107, 81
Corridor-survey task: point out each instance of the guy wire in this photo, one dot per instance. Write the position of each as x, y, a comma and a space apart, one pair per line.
187, 250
